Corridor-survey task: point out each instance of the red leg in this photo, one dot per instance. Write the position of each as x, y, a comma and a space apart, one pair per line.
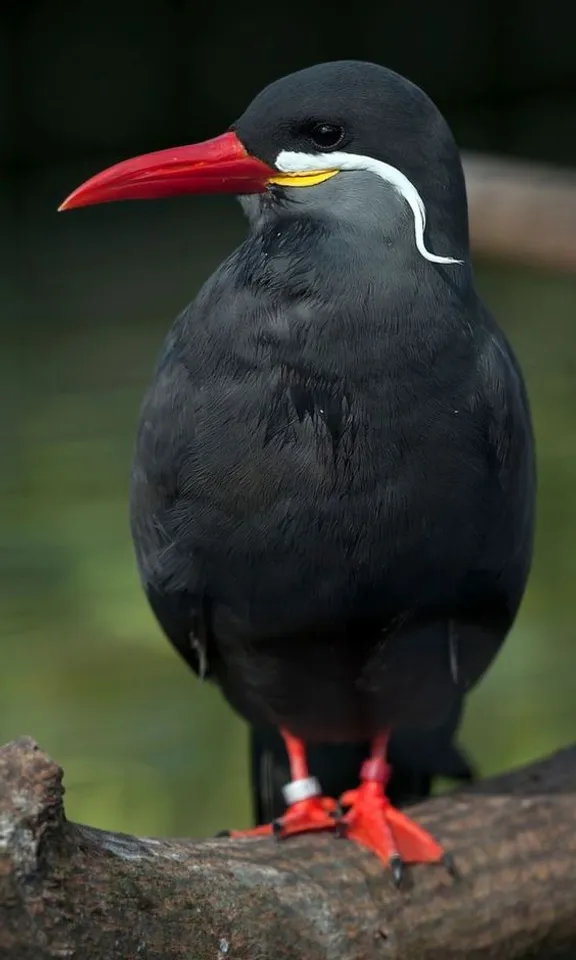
374, 823
307, 808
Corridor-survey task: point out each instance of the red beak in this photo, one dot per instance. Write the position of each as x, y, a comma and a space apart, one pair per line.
221, 165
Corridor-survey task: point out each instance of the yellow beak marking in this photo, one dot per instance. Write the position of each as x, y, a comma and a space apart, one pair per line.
302, 179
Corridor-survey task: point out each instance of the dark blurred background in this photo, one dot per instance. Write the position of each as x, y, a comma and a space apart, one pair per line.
87, 298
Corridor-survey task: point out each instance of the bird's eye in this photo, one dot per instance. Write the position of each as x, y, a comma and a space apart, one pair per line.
326, 135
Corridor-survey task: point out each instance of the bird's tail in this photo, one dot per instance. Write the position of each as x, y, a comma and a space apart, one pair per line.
416, 758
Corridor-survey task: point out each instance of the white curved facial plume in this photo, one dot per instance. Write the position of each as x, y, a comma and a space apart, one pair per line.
290, 162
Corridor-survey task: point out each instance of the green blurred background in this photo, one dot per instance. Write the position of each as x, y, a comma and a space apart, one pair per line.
86, 301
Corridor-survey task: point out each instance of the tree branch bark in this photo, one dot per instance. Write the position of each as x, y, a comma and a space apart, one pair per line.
71, 891
522, 212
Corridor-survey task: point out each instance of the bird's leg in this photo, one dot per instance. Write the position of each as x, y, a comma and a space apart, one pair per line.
306, 809
374, 823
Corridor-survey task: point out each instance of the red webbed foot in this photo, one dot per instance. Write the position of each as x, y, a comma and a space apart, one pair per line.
307, 809
370, 819
312, 812
374, 823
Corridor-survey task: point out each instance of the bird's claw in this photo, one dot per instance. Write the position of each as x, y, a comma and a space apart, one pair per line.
396, 865
450, 866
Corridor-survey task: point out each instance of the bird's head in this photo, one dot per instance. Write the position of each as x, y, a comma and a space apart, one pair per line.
327, 132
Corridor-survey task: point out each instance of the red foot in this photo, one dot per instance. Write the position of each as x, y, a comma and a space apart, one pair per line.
315, 813
374, 823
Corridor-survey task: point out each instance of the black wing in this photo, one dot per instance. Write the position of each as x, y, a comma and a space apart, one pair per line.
509, 531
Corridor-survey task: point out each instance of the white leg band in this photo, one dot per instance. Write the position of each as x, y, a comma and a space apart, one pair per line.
301, 790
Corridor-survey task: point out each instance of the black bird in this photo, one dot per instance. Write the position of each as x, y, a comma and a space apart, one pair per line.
333, 491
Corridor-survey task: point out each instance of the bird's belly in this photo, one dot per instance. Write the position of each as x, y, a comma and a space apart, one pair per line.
341, 559
349, 684
289, 534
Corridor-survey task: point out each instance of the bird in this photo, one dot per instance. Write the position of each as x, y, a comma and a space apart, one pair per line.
333, 491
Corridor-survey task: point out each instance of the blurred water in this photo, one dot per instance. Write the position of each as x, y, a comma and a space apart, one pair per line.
84, 668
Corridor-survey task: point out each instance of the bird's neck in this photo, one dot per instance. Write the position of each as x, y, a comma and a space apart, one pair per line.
319, 256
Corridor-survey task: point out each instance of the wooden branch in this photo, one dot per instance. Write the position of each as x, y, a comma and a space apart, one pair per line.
70, 891
522, 212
